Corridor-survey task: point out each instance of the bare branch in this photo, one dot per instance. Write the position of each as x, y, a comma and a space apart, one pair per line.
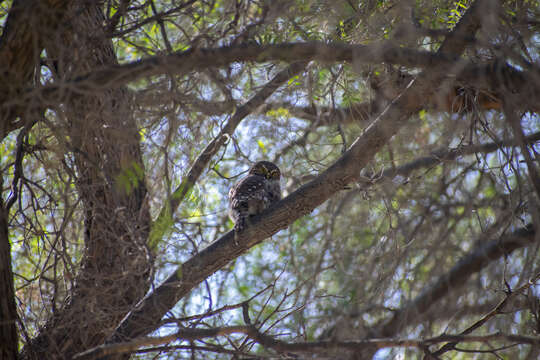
305, 347
478, 259
441, 155
497, 310
515, 122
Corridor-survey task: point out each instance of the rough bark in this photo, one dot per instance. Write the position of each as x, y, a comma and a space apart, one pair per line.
28, 24
20, 46
8, 310
100, 131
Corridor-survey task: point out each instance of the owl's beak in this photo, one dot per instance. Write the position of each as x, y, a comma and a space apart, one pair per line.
266, 172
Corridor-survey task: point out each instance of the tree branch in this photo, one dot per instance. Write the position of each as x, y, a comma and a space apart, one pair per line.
497, 310
495, 75
438, 156
298, 347
454, 42
478, 259
21, 44
530, 160
457, 100
164, 219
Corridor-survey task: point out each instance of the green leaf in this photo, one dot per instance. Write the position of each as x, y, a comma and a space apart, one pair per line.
261, 146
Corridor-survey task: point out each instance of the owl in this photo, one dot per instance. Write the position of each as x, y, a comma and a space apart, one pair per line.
254, 193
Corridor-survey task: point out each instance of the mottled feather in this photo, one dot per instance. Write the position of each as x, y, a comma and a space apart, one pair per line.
254, 193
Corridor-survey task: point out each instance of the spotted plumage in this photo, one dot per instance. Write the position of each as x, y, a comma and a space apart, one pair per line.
254, 193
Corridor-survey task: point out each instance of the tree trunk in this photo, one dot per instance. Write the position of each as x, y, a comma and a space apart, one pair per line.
101, 134
8, 310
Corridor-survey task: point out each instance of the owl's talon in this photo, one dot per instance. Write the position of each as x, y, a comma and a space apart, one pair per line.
240, 225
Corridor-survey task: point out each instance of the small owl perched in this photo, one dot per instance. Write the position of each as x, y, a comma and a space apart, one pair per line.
254, 193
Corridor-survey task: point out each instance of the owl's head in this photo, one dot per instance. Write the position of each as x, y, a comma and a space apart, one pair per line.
267, 169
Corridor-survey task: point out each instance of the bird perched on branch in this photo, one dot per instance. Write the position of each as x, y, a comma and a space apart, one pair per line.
254, 193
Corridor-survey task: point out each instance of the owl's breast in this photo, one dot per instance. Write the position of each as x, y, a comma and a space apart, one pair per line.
273, 191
